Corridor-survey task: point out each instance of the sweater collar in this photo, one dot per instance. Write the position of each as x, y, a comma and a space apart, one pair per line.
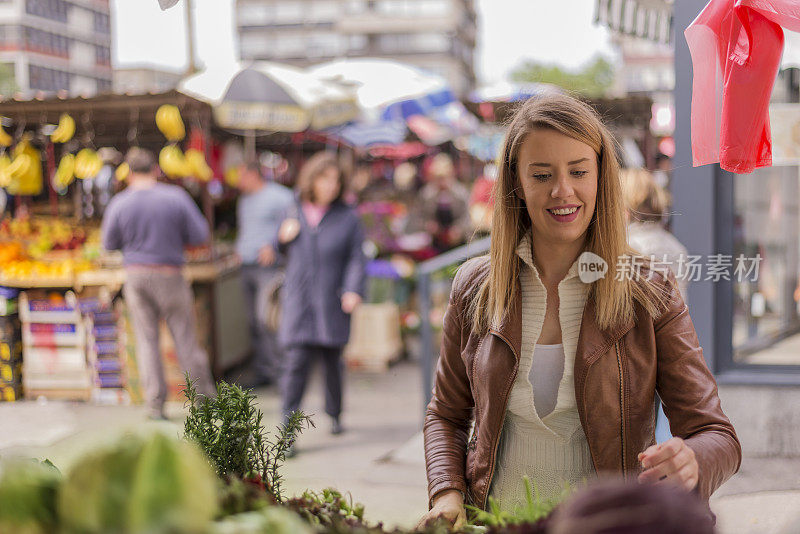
525, 253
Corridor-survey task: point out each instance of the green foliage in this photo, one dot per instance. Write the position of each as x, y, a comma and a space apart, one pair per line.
229, 429
28, 493
272, 519
152, 483
8, 82
593, 80
535, 509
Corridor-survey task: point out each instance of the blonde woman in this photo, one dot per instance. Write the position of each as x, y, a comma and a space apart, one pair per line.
559, 375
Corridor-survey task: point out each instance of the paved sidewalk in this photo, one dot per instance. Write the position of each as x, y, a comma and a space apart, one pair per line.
379, 459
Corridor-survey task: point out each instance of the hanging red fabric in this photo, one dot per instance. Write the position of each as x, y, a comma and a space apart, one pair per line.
736, 48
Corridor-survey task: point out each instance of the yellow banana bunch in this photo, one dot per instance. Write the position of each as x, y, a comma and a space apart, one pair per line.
198, 166
169, 121
65, 174
5, 176
122, 172
173, 163
25, 169
65, 129
87, 164
5, 139
232, 176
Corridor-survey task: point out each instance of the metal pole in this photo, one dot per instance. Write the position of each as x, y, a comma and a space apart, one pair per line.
426, 332
190, 50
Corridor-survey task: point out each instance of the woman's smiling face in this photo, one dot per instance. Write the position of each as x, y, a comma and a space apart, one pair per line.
558, 181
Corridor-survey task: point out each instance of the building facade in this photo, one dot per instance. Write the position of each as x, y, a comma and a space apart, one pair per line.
436, 35
137, 80
56, 45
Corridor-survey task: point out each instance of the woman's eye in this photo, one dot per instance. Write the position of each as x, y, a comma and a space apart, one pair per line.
580, 173
541, 177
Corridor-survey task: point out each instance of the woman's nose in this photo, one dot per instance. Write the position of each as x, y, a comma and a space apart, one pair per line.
562, 188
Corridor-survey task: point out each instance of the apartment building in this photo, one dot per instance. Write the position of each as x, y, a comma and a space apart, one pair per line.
437, 35
57, 45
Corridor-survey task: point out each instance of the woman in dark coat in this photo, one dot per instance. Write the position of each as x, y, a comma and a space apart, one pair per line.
322, 238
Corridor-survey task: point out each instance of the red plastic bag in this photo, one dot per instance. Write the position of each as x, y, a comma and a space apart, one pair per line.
736, 47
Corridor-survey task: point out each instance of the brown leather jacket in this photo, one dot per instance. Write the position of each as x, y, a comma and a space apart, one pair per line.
617, 373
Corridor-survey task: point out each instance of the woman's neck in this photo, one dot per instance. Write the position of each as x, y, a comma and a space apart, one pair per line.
553, 260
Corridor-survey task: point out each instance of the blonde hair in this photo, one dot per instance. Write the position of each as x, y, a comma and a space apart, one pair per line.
606, 236
644, 198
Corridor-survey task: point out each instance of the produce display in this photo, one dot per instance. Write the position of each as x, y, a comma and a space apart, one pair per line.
47, 248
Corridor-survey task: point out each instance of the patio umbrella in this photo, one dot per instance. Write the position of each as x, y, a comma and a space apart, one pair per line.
264, 97
390, 95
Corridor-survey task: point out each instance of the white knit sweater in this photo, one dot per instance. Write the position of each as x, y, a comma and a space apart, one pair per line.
552, 451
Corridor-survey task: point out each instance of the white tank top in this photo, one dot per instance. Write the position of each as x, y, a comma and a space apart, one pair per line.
546, 371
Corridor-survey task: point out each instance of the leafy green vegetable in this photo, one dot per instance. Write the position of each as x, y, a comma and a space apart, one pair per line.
28, 492
535, 508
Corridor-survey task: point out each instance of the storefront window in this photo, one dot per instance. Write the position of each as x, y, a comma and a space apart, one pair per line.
766, 322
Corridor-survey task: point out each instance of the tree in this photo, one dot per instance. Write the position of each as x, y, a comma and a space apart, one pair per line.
592, 80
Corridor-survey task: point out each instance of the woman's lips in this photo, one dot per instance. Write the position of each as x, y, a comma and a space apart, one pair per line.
565, 218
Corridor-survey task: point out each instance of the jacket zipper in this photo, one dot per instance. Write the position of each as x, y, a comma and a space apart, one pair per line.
621, 408
502, 421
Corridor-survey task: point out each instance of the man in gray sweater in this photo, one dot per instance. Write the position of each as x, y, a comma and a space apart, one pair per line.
259, 212
151, 223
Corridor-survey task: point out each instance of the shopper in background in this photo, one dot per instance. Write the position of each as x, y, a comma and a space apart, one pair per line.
443, 206
259, 212
647, 204
151, 223
322, 239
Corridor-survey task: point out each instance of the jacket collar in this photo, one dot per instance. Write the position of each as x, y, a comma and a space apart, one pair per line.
592, 340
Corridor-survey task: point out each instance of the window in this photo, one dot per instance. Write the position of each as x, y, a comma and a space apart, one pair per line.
102, 55
413, 43
104, 86
44, 79
325, 45
413, 8
49, 9
254, 44
102, 23
9, 35
37, 40
358, 42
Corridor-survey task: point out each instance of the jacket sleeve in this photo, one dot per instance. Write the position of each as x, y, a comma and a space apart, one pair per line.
449, 413
689, 393
355, 268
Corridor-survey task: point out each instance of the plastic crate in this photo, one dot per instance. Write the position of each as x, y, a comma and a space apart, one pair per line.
53, 359
35, 307
53, 335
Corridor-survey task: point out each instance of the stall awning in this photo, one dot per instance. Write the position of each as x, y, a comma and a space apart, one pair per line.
648, 19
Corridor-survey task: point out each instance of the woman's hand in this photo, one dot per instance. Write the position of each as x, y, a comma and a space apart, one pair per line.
288, 231
672, 462
350, 302
449, 505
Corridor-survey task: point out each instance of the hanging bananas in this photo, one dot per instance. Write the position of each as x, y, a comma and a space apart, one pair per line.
169, 121
173, 162
87, 164
198, 167
65, 174
122, 172
5, 176
25, 170
65, 129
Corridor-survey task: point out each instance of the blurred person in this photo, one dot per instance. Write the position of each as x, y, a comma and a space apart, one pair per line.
152, 223
647, 205
613, 506
259, 212
322, 239
442, 206
556, 371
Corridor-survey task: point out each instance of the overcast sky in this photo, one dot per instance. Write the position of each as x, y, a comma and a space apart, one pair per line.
510, 31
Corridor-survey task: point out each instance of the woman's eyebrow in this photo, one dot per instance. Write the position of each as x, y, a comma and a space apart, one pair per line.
538, 164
